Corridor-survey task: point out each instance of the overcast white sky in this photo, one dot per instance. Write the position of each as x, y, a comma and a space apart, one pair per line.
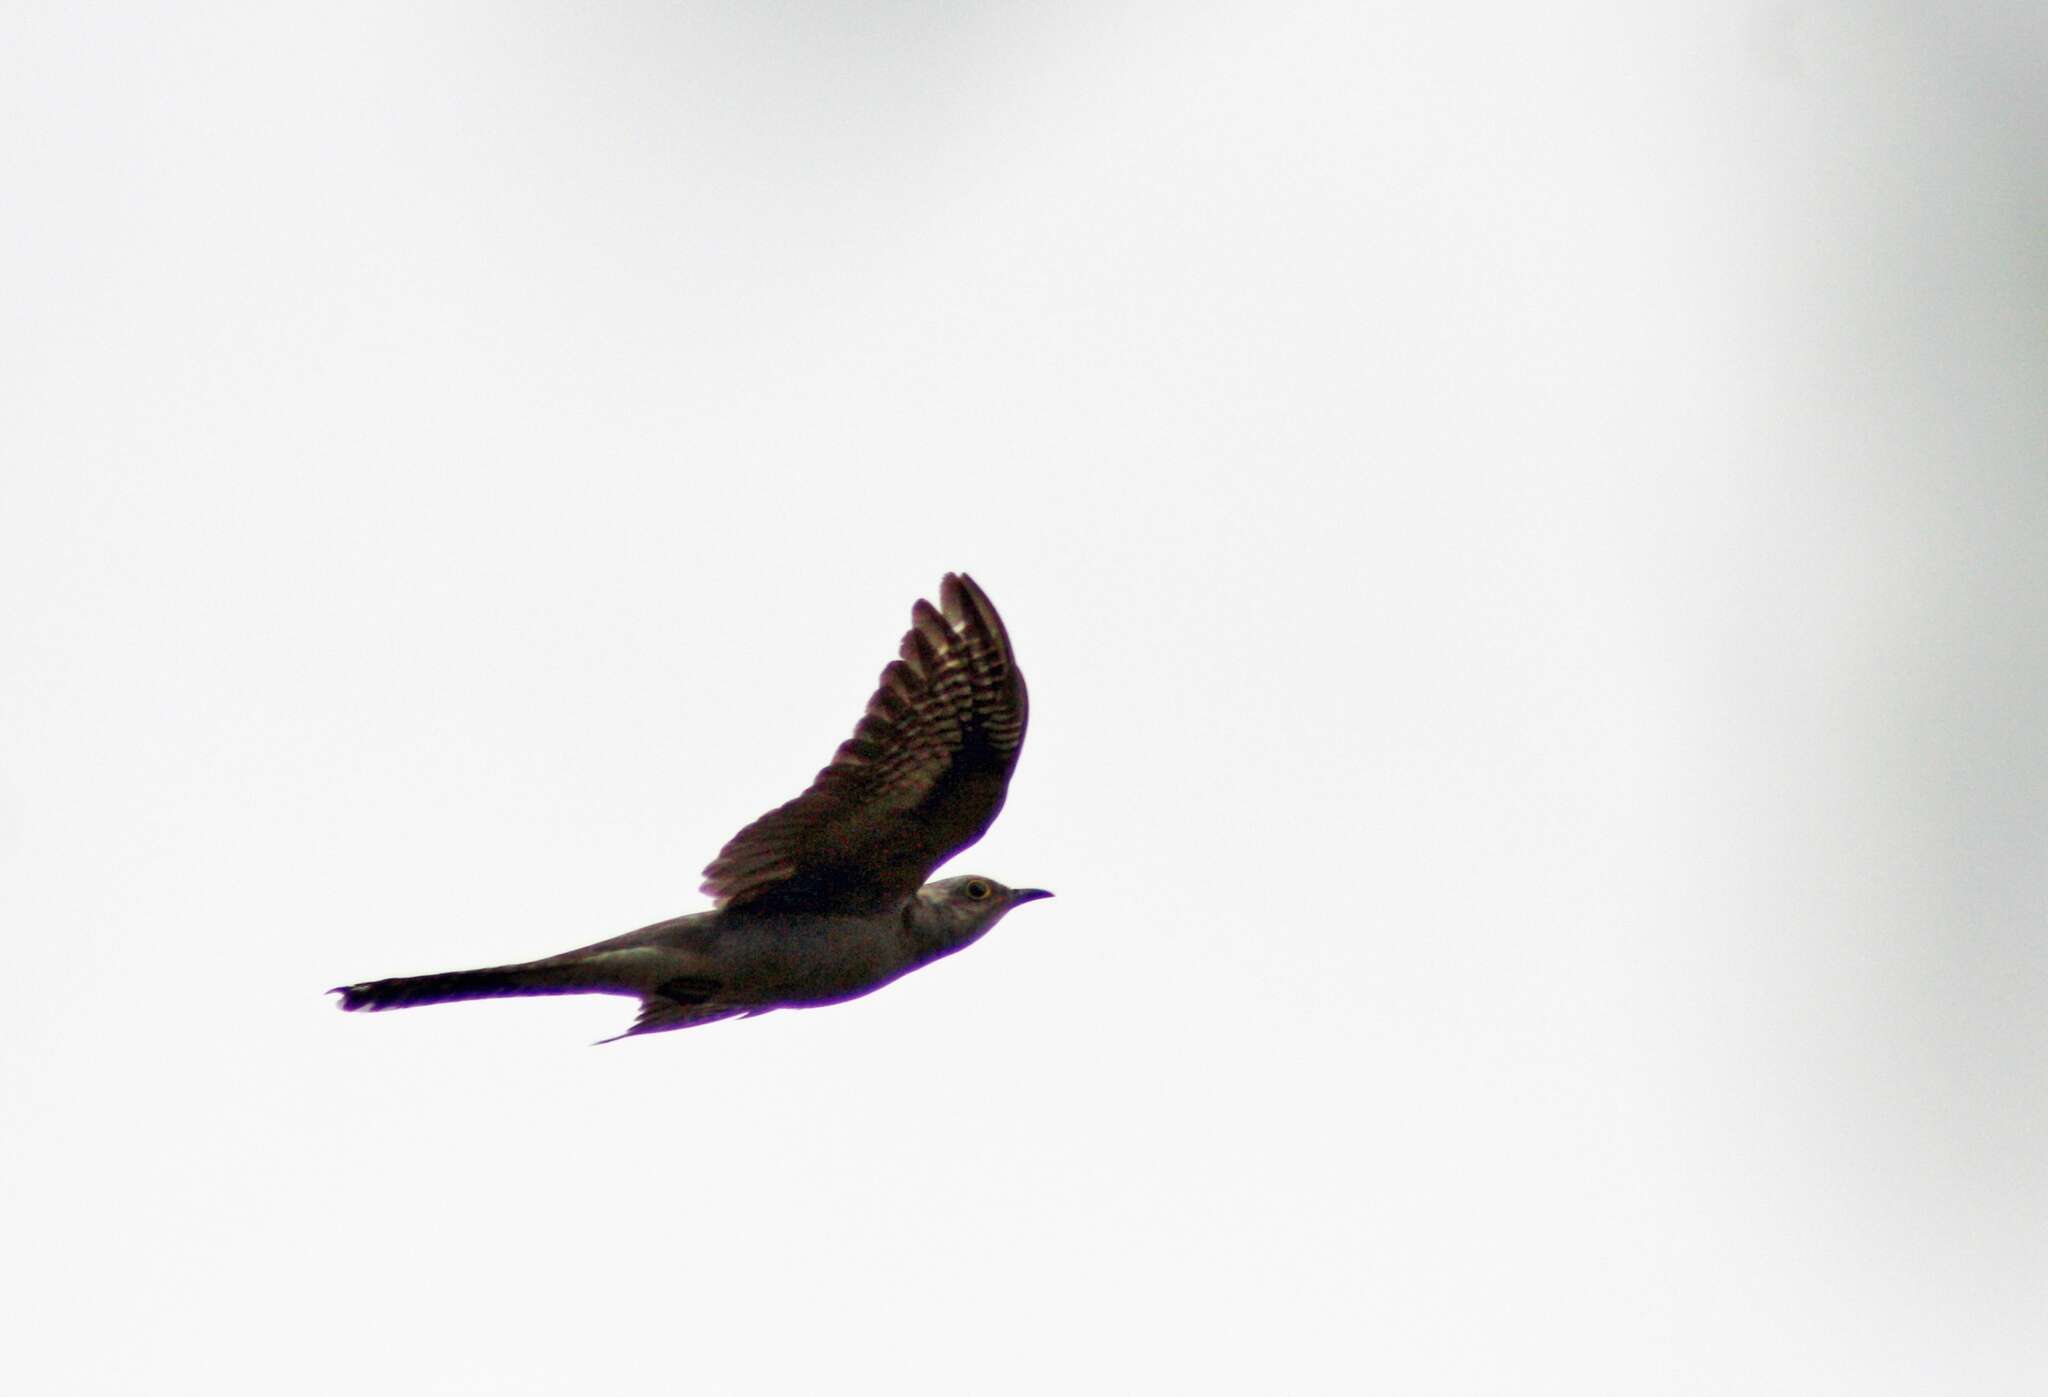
1525, 525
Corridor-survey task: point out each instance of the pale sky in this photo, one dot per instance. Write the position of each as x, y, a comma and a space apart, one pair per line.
1527, 530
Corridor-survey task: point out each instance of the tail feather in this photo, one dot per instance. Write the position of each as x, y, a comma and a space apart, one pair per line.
679, 1001
496, 982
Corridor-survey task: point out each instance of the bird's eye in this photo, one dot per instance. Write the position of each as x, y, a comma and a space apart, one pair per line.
978, 890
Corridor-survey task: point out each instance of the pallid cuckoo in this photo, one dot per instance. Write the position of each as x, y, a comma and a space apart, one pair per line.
823, 899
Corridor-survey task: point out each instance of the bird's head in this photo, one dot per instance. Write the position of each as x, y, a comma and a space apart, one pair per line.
958, 911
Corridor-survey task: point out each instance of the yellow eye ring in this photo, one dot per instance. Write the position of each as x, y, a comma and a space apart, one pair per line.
978, 890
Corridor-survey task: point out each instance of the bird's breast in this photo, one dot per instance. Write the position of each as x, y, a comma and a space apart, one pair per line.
797, 958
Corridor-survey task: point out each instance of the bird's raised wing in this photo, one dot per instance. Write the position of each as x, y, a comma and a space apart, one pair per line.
921, 778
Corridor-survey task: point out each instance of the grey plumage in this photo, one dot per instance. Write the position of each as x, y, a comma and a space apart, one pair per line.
823, 899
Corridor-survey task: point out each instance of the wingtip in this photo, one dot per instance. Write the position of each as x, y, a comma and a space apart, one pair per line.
966, 605
955, 587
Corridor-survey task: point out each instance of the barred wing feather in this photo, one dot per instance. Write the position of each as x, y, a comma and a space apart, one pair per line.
922, 777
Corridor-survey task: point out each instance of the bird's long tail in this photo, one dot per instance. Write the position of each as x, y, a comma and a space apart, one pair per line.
494, 982
679, 1001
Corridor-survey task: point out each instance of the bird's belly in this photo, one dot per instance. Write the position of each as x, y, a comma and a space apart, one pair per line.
821, 965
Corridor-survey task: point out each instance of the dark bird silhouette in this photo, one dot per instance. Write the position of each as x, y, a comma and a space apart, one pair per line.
823, 899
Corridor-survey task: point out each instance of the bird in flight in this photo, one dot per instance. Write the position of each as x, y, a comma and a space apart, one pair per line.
823, 899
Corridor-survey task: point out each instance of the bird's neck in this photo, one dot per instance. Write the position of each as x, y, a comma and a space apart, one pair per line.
931, 933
